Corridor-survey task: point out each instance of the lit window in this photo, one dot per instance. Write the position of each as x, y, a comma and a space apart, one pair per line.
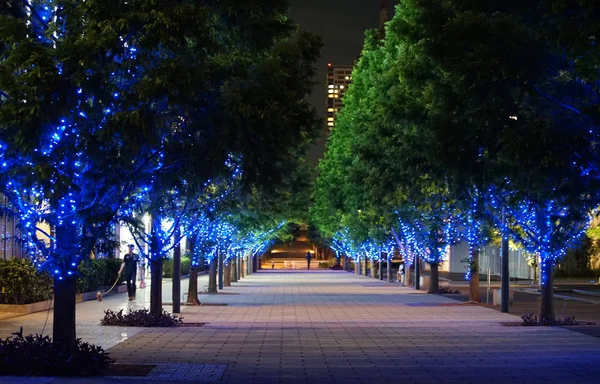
330, 119
330, 96
330, 124
330, 91
329, 109
341, 87
336, 91
330, 85
347, 77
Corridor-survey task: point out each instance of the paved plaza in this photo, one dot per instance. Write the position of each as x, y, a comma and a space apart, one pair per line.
335, 327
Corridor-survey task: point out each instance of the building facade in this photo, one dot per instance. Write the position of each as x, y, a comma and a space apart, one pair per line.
338, 80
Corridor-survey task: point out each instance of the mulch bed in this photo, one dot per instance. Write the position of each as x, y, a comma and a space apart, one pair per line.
185, 325
511, 324
218, 293
129, 369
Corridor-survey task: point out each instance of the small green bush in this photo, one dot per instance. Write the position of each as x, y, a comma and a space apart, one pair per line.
186, 264
22, 283
140, 318
112, 271
94, 274
38, 355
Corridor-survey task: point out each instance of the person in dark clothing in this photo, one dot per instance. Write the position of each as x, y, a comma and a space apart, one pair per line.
308, 258
129, 267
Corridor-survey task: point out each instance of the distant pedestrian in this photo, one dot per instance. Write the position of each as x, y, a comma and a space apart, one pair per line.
272, 264
308, 259
129, 267
403, 273
142, 270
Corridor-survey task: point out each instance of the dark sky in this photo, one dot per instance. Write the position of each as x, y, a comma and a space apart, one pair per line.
341, 24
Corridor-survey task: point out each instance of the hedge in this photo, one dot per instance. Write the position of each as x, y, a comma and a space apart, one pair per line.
22, 283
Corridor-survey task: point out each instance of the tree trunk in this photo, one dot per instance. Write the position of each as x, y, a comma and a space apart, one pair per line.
547, 307
373, 269
220, 267
535, 273
389, 270
212, 276
380, 272
156, 286
234, 270
227, 275
474, 280
417, 264
176, 280
63, 329
434, 279
65, 289
242, 266
192, 298
156, 265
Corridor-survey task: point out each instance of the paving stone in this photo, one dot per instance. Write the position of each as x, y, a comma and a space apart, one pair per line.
336, 327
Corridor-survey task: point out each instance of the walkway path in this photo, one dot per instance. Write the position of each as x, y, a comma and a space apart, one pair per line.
335, 327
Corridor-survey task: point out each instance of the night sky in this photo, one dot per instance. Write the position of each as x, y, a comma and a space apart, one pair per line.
341, 24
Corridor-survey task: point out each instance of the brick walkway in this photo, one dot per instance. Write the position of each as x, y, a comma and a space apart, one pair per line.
335, 327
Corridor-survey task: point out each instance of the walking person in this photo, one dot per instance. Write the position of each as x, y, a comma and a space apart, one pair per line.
142, 270
308, 259
129, 267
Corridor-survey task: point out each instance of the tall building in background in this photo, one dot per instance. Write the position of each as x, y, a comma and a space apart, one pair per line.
338, 80
383, 17
340, 77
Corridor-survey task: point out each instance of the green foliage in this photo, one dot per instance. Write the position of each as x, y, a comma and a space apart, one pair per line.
186, 263
95, 273
140, 318
22, 283
37, 355
327, 264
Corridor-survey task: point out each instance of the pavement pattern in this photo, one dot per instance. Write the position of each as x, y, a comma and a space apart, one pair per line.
336, 327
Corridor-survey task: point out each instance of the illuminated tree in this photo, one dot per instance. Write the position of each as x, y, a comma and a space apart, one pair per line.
104, 100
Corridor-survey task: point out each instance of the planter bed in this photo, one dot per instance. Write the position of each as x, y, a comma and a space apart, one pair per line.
27, 308
40, 306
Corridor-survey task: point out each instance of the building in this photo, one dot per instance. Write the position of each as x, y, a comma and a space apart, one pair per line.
383, 17
340, 77
338, 80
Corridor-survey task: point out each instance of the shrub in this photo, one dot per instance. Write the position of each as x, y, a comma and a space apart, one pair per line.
447, 291
112, 267
531, 320
140, 318
90, 275
22, 283
96, 273
38, 355
186, 264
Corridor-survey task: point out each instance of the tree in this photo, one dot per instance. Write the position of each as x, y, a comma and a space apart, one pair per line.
103, 99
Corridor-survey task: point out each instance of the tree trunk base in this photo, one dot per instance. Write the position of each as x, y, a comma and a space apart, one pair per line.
434, 279
547, 292
156, 287
64, 312
212, 276
474, 280
192, 298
